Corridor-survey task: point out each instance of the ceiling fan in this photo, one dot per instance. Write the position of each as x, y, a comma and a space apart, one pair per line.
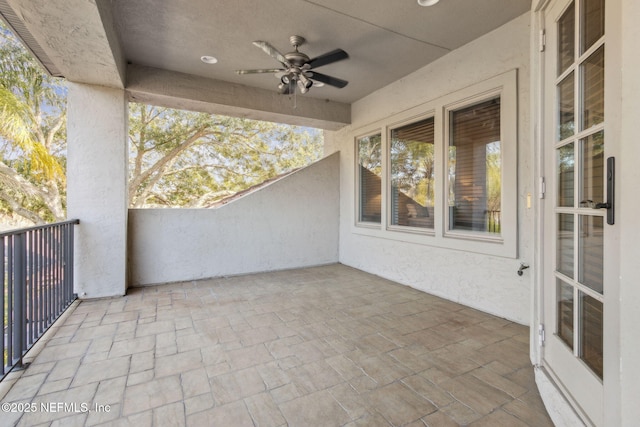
298, 68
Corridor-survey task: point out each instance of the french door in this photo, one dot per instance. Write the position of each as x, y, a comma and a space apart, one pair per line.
576, 212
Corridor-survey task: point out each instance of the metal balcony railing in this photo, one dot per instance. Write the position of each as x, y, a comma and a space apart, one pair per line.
37, 272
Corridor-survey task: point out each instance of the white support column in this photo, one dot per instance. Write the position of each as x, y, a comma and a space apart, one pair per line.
97, 188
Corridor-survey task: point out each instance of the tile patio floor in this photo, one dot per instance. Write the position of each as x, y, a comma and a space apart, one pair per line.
323, 346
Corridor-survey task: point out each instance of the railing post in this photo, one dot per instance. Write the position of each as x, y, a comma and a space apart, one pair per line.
19, 301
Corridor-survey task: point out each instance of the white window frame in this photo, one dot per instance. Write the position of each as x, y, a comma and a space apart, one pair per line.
357, 194
503, 86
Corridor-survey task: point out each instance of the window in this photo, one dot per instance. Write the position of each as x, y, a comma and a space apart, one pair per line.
412, 174
475, 177
444, 173
369, 150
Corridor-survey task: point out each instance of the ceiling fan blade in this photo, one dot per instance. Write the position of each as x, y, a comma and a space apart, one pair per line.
328, 58
331, 81
270, 70
272, 52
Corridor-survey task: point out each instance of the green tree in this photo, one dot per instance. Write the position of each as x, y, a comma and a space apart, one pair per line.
188, 159
32, 131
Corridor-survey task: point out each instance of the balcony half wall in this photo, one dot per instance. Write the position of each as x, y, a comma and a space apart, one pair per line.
290, 223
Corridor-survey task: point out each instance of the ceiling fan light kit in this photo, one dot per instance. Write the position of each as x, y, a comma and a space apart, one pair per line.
297, 67
427, 2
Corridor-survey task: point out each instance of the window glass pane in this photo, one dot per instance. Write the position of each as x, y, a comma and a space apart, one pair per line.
566, 120
593, 89
566, 39
370, 178
592, 21
566, 165
564, 243
475, 172
565, 312
590, 241
412, 175
591, 333
592, 153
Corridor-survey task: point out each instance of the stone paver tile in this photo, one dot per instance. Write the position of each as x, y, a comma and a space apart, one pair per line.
264, 411
475, 393
177, 363
53, 386
232, 414
350, 400
428, 390
257, 336
460, 413
195, 382
345, 367
25, 388
439, 419
102, 370
172, 415
248, 356
414, 362
265, 319
286, 393
499, 382
236, 385
370, 420
94, 332
142, 361
198, 403
110, 391
273, 375
63, 369
317, 409
398, 404
152, 394
77, 420
315, 376
119, 317
154, 328
140, 377
63, 352
530, 409
498, 418
132, 346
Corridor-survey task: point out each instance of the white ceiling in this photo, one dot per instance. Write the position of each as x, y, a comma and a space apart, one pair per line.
386, 39
114, 42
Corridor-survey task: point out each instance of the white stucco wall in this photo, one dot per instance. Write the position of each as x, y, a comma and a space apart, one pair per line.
290, 223
488, 283
97, 188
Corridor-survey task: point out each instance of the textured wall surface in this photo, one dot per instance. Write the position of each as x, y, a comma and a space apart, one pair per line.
97, 188
488, 283
290, 223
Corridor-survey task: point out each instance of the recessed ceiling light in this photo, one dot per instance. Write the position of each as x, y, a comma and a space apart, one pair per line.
209, 59
427, 2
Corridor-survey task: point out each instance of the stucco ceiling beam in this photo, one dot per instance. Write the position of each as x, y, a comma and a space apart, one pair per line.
185, 91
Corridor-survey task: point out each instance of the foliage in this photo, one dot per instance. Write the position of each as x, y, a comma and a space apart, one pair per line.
32, 131
187, 159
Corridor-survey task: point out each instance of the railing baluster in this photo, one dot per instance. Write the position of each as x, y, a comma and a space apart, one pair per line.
37, 285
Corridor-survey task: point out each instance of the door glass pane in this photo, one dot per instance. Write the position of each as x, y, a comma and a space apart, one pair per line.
591, 333
369, 178
564, 254
591, 251
475, 177
566, 39
592, 23
413, 174
566, 120
564, 296
566, 162
593, 89
592, 154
